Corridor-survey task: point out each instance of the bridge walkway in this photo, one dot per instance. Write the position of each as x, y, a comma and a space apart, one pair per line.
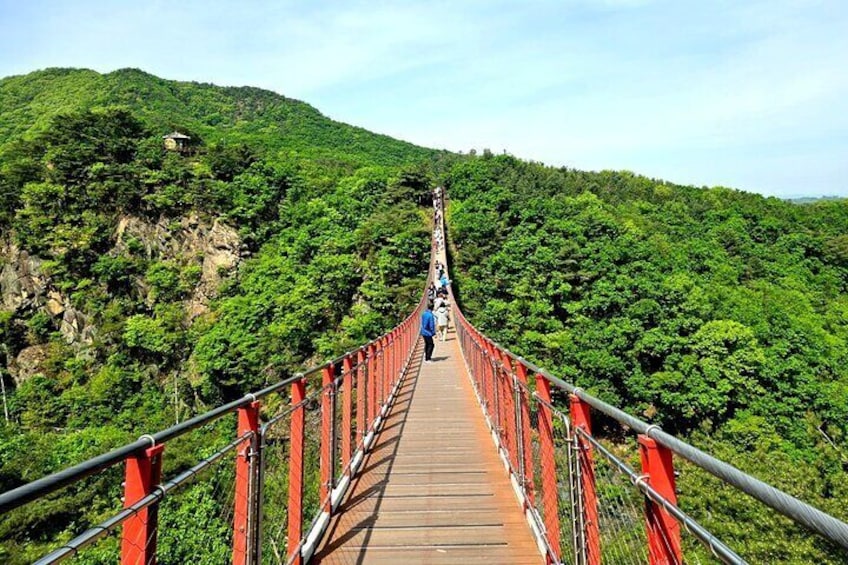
433, 489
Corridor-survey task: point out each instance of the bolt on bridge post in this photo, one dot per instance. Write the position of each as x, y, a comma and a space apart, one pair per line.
581, 419
245, 505
138, 540
663, 529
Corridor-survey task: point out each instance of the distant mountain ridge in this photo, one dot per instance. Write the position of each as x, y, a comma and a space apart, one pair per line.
813, 199
261, 117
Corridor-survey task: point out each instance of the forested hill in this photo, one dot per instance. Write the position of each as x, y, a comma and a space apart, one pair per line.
140, 285
204, 111
718, 314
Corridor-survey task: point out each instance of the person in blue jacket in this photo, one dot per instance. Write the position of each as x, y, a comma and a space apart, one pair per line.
428, 330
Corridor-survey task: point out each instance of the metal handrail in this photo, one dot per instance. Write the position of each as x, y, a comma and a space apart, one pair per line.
820, 522
23, 494
716, 546
103, 528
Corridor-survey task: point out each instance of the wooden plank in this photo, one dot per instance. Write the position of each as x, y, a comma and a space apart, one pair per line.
434, 555
433, 489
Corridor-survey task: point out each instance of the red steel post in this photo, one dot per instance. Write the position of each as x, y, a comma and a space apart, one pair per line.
398, 354
581, 418
361, 395
550, 495
495, 390
381, 372
387, 367
373, 382
508, 410
481, 373
487, 381
526, 439
347, 412
138, 540
663, 529
248, 422
327, 440
392, 360
297, 434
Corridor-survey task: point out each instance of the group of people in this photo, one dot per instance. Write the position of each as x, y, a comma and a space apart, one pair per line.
435, 319
438, 232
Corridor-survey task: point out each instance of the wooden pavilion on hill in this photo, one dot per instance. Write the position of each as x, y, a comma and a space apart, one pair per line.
176, 141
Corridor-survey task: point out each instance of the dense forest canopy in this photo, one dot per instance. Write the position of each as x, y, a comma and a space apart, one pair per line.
141, 286
718, 314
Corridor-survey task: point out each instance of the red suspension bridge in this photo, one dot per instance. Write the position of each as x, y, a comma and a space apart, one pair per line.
375, 457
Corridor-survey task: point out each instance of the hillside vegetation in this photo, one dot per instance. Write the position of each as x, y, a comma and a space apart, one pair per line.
720, 315
141, 286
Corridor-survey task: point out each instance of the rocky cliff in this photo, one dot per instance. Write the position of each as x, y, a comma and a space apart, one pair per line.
27, 290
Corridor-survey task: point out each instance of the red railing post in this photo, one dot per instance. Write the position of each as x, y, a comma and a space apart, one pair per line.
248, 422
327, 439
347, 412
295, 506
387, 368
138, 540
663, 529
361, 396
508, 413
550, 495
491, 395
381, 372
373, 384
398, 355
392, 360
481, 373
581, 418
497, 401
525, 439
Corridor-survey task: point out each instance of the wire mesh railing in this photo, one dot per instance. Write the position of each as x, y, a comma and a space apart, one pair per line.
585, 499
586, 505
265, 497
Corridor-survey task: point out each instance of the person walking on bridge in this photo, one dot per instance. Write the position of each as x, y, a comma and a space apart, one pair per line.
428, 330
442, 319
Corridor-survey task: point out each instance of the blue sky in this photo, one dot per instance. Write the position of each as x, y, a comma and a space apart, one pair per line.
752, 95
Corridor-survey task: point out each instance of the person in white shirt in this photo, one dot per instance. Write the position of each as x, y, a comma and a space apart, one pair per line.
442, 318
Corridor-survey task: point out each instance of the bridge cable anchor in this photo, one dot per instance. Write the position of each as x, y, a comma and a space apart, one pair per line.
149, 438
650, 428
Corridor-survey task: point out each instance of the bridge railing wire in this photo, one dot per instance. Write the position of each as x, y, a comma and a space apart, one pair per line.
241, 507
586, 504
174, 501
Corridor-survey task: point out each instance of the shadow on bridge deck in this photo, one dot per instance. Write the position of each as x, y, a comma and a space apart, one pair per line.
433, 489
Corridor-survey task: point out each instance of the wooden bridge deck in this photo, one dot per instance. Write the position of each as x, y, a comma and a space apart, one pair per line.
433, 489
